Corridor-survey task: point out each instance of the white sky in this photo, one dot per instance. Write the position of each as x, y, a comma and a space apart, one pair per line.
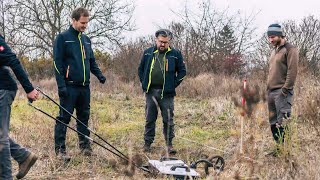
150, 14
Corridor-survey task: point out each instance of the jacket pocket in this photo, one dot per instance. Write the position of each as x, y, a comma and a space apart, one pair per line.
73, 75
71, 45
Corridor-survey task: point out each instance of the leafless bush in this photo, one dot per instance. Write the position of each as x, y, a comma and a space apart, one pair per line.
126, 60
308, 100
209, 85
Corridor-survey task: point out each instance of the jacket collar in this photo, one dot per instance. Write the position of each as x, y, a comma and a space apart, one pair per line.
72, 30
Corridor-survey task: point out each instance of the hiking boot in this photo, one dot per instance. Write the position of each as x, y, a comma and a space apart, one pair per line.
171, 150
63, 157
147, 148
25, 166
87, 152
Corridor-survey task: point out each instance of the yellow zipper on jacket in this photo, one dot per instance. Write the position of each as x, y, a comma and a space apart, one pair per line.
55, 66
151, 68
82, 57
164, 70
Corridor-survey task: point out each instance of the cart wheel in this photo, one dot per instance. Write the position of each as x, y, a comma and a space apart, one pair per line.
217, 164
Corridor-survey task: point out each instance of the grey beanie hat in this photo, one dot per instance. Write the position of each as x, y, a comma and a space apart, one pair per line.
275, 30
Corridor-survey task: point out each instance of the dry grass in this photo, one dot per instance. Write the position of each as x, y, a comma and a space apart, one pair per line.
207, 123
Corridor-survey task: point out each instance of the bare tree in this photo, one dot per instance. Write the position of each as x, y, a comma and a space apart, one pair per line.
245, 32
37, 22
202, 38
2, 17
4, 7
306, 36
258, 58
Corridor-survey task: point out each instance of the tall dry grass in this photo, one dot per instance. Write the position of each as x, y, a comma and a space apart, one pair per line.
206, 120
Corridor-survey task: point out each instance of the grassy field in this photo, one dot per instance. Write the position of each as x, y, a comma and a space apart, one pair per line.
207, 123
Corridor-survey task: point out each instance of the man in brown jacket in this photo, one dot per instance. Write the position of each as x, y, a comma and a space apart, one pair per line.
283, 65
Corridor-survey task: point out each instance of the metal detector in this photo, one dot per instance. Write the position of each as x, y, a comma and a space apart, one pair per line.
166, 166
180, 170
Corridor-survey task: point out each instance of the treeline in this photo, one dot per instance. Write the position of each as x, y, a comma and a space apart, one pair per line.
211, 41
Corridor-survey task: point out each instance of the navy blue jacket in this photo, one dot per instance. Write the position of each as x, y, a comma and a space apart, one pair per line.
8, 59
174, 70
74, 59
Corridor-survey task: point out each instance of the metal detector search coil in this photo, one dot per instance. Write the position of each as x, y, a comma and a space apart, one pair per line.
179, 170
176, 168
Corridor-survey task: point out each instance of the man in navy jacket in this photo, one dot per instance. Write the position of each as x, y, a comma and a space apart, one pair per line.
73, 62
8, 90
161, 70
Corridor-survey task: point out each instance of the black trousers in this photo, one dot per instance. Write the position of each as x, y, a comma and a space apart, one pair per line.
166, 105
78, 98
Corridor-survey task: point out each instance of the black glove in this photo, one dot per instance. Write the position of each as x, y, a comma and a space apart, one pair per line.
63, 92
102, 79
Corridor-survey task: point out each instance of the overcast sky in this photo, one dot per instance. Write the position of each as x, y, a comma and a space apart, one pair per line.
150, 14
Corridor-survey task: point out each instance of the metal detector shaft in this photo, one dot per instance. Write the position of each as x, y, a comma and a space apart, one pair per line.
73, 129
127, 159
92, 140
47, 96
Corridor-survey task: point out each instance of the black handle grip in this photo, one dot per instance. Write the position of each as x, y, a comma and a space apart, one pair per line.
30, 100
173, 168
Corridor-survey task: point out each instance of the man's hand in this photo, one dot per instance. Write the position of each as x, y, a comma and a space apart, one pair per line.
33, 95
63, 92
102, 79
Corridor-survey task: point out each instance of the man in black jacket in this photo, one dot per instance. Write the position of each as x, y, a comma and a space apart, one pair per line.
73, 62
161, 70
8, 89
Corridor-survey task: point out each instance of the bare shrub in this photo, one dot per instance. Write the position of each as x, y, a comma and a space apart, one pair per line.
307, 100
209, 85
126, 60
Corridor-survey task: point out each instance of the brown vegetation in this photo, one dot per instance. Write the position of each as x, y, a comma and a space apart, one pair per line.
207, 123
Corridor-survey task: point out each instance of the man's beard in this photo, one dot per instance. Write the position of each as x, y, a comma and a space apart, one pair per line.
277, 43
164, 49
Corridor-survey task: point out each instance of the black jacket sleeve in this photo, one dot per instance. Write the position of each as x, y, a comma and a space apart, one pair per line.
141, 67
58, 61
8, 58
94, 68
180, 69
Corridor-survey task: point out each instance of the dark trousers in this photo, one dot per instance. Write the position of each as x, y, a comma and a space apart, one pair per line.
8, 148
78, 98
279, 107
166, 105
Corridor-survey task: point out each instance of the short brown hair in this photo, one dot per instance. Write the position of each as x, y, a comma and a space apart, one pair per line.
78, 12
